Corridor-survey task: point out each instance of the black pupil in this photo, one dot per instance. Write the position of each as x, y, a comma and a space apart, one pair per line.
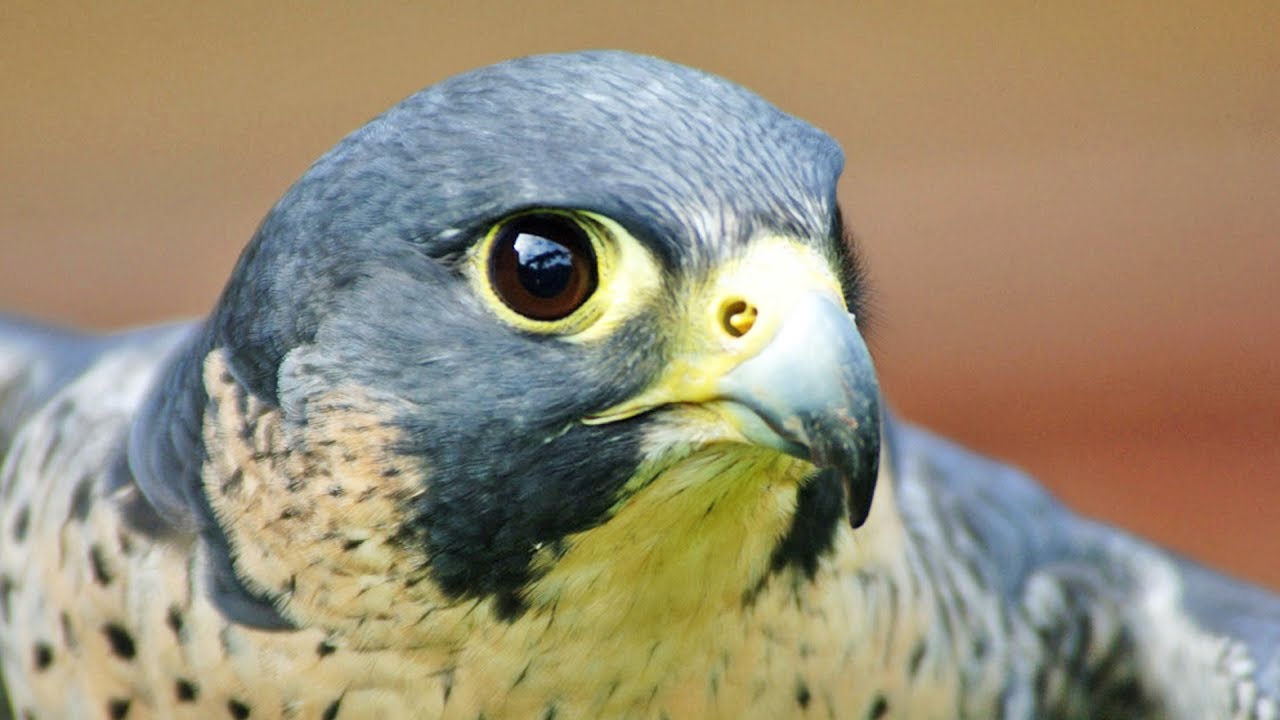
543, 266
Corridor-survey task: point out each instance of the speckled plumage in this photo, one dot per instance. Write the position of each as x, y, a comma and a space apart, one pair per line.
353, 491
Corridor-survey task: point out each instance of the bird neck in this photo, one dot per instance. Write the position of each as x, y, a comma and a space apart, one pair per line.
706, 533
679, 591
697, 536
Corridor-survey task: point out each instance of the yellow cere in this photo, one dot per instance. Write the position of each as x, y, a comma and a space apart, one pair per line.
728, 318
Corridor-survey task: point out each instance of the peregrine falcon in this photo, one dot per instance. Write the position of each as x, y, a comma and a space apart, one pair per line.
544, 395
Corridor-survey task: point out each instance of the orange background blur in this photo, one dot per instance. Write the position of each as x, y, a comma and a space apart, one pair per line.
1072, 212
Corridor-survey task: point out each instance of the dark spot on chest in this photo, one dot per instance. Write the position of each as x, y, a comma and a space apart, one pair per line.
185, 690
980, 646
331, 712
520, 678
238, 710
6, 590
446, 684
69, 636
917, 657
803, 696
174, 621
118, 708
98, 563
120, 640
82, 499
879, 708
230, 486
125, 542
21, 523
326, 648
42, 656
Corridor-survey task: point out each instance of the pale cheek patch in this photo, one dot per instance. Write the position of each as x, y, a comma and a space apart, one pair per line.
314, 514
698, 533
655, 588
679, 429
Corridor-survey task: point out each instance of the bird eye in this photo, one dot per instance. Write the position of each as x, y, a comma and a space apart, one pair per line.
542, 266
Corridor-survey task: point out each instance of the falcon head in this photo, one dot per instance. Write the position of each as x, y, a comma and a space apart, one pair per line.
568, 323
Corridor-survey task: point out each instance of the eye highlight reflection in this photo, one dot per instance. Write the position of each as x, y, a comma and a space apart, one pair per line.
542, 266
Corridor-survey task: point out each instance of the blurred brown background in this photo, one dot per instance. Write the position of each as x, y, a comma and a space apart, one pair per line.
1072, 213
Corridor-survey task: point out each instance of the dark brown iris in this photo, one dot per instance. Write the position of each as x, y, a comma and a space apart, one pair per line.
542, 266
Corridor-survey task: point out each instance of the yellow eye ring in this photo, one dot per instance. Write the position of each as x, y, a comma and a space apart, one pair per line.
541, 269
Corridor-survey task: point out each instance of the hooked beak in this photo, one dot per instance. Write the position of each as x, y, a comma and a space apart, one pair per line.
771, 350
812, 393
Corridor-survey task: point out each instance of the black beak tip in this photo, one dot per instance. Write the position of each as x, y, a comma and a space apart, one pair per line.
855, 456
860, 471
859, 492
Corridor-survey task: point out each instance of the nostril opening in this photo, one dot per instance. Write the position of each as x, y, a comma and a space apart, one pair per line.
737, 317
